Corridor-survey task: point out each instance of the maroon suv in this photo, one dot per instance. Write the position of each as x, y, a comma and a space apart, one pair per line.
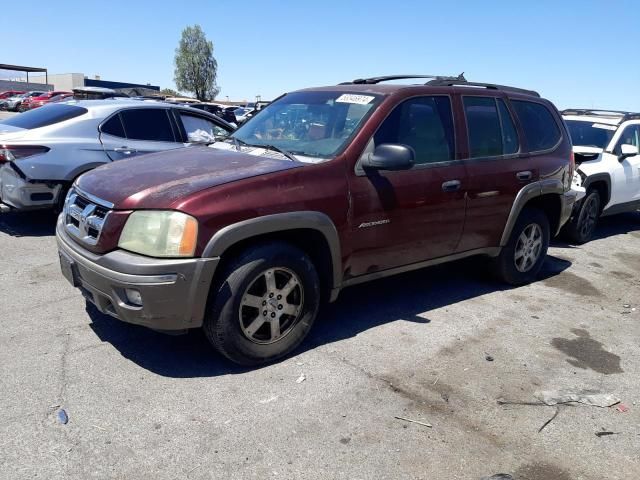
323, 189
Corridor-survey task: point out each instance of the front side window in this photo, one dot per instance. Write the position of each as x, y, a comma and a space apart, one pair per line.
490, 127
539, 125
425, 124
201, 130
590, 134
317, 124
147, 124
630, 136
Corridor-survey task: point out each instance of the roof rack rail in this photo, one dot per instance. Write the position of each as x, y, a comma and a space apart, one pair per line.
452, 83
604, 113
388, 78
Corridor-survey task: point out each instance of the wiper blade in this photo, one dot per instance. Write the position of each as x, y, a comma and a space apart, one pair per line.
279, 150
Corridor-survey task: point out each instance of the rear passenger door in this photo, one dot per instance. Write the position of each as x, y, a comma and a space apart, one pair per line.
502, 159
135, 131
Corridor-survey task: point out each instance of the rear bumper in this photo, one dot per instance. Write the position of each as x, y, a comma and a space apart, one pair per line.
19, 194
568, 200
173, 292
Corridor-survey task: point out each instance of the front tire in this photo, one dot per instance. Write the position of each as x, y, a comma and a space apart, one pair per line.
580, 229
525, 252
264, 304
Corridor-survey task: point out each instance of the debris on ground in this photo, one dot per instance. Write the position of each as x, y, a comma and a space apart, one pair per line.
414, 421
622, 408
585, 397
498, 476
268, 400
550, 420
488, 357
63, 418
606, 433
301, 378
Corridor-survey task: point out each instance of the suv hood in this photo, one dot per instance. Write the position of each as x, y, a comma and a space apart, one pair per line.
159, 180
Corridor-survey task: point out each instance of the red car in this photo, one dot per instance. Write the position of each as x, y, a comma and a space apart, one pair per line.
10, 93
35, 102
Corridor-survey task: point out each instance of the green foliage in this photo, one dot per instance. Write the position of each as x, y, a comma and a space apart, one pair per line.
195, 67
169, 92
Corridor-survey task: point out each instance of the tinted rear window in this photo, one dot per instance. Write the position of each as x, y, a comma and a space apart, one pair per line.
114, 127
43, 116
147, 124
539, 125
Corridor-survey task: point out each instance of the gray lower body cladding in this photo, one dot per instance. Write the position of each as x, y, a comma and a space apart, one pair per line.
173, 292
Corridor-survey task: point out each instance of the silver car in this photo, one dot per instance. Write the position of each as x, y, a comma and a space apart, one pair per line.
13, 103
43, 151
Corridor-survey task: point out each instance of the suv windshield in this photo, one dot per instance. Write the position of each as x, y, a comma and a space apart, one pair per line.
590, 134
313, 124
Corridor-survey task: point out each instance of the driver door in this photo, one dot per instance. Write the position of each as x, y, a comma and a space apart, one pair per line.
626, 181
404, 217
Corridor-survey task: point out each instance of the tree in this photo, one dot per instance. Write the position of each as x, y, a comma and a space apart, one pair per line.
196, 68
169, 92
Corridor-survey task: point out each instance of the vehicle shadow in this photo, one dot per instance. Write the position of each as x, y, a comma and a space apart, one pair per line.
28, 224
621, 224
407, 297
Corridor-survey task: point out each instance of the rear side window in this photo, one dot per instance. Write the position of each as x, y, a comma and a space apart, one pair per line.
539, 125
44, 116
147, 124
490, 127
114, 127
424, 124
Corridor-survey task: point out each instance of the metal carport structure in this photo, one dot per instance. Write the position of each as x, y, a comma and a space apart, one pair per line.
27, 70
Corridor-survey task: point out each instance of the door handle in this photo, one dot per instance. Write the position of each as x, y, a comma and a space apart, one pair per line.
451, 186
524, 176
125, 150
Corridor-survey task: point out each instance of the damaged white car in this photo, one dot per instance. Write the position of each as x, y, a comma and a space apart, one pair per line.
43, 151
606, 148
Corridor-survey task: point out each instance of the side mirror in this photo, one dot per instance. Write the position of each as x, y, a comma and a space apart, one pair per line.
389, 156
627, 151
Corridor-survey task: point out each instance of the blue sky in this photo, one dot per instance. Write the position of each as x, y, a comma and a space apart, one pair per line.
576, 53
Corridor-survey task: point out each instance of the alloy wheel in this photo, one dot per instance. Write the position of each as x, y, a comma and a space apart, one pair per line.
528, 248
590, 217
271, 306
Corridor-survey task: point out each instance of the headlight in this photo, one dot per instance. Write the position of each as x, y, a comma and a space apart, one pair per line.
158, 233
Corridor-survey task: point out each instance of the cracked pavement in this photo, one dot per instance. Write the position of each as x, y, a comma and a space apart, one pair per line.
148, 406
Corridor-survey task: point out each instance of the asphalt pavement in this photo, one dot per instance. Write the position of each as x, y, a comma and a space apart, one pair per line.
440, 346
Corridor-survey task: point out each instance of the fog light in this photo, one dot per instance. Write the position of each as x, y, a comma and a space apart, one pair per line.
133, 296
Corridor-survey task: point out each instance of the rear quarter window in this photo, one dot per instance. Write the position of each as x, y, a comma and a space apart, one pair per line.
44, 116
540, 127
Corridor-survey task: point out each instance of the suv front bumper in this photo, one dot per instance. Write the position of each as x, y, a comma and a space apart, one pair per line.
173, 292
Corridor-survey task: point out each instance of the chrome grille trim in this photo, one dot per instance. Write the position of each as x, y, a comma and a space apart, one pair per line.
84, 218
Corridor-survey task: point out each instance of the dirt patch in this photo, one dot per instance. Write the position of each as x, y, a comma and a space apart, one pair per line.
588, 353
629, 259
621, 275
572, 283
595, 264
541, 471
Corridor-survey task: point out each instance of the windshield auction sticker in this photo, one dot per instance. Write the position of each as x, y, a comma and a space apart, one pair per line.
604, 127
357, 99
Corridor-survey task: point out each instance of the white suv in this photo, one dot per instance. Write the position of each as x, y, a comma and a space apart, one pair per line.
605, 144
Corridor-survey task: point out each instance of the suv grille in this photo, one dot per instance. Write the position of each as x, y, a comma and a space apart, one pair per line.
84, 218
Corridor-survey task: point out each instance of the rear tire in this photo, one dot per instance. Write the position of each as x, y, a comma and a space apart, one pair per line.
525, 252
581, 227
264, 304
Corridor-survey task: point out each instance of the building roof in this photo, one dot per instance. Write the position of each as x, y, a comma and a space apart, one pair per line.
21, 68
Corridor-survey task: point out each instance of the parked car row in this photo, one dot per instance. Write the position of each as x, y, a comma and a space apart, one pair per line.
245, 234
13, 102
